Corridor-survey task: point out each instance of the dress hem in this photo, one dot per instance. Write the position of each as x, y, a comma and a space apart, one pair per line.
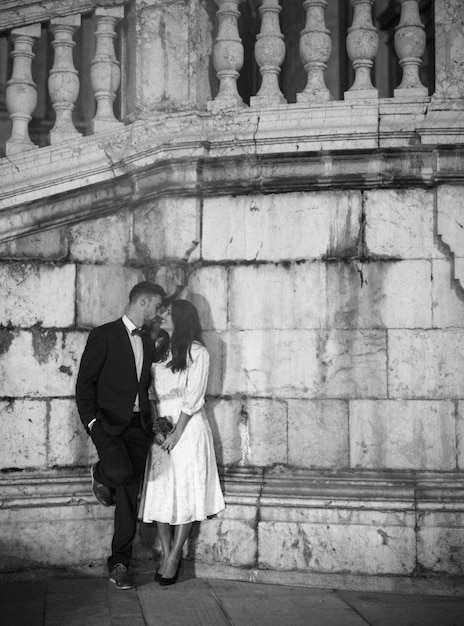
208, 515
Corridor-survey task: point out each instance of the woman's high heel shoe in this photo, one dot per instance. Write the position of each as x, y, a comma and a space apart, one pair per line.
157, 577
164, 582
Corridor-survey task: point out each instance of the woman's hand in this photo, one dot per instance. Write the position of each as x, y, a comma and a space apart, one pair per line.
159, 438
171, 440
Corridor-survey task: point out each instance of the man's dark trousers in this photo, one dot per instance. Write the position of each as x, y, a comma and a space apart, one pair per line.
121, 467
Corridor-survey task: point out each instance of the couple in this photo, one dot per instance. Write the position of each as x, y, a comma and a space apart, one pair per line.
125, 389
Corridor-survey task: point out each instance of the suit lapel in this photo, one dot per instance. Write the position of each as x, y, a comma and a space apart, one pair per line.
127, 354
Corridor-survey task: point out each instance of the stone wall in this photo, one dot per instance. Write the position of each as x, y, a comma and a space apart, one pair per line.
335, 330
338, 326
321, 245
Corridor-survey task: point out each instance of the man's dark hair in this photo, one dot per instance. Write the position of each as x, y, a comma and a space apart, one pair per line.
146, 288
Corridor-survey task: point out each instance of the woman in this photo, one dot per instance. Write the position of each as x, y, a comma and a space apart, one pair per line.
181, 480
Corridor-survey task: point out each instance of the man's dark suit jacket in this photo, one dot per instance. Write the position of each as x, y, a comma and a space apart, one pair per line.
107, 382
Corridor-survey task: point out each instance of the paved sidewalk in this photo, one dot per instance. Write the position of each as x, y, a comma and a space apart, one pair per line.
213, 602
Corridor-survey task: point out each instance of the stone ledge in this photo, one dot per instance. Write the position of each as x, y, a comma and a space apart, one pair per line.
34, 11
344, 529
406, 585
285, 488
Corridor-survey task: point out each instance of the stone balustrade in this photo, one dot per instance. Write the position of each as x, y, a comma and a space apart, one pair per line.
63, 80
227, 54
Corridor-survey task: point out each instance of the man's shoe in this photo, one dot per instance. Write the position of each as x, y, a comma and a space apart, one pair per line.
103, 493
120, 577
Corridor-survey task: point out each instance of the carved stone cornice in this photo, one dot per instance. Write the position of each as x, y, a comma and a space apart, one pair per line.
14, 14
275, 489
203, 175
195, 154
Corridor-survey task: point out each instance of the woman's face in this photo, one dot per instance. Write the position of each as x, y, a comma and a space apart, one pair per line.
166, 320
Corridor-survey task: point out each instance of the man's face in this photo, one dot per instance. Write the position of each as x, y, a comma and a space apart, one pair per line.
153, 307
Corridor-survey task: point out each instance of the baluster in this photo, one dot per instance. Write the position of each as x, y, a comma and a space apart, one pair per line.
269, 54
21, 94
63, 81
105, 74
362, 43
227, 56
3, 71
410, 46
315, 48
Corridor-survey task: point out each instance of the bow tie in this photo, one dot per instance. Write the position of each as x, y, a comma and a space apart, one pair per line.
139, 332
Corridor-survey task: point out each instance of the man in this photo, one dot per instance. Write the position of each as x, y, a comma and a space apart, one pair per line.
112, 399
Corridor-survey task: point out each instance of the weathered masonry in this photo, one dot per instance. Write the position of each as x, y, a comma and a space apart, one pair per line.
299, 167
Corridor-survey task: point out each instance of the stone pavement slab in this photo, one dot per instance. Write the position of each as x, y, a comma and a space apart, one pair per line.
387, 609
77, 602
22, 604
256, 604
188, 603
125, 607
213, 602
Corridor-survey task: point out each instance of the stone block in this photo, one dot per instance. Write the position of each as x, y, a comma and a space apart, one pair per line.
249, 432
207, 290
215, 345
39, 363
400, 223
24, 434
409, 435
104, 240
367, 547
290, 226
170, 277
169, 228
270, 296
458, 272
34, 537
440, 542
48, 244
161, 35
103, 292
318, 433
225, 421
333, 364
263, 431
225, 540
447, 296
379, 295
426, 363
68, 443
449, 72
450, 216
37, 294
460, 434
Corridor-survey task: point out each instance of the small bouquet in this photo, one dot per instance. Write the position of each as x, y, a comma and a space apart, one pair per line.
161, 427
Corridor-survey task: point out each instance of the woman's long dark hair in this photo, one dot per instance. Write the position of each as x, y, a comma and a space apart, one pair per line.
187, 329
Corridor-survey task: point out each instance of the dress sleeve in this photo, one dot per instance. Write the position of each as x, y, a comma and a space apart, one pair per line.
197, 379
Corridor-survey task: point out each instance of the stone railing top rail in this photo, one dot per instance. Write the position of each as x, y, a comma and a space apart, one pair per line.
14, 14
289, 129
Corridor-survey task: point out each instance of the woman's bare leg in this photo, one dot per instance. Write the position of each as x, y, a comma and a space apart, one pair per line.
164, 533
181, 533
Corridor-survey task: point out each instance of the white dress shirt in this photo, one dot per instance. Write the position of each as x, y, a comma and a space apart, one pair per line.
137, 347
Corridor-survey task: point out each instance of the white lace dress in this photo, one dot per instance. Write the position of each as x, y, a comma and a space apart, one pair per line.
182, 486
